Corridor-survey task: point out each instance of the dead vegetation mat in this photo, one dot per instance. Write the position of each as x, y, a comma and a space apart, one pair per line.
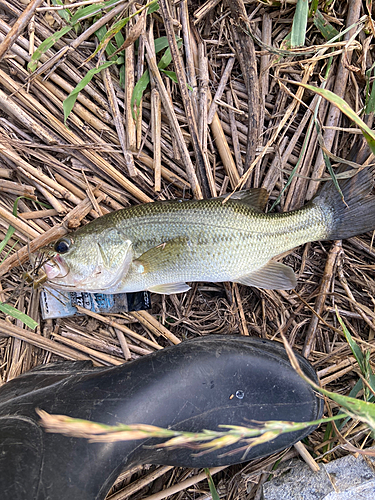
229, 114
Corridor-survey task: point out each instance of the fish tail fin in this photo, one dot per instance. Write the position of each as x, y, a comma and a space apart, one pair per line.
355, 212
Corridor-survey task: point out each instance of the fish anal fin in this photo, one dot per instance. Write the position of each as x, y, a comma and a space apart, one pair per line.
272, 276
170, 288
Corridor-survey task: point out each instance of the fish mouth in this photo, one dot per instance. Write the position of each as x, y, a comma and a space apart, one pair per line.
55, 267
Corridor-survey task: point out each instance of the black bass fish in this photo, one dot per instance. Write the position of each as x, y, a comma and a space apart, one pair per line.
162, 245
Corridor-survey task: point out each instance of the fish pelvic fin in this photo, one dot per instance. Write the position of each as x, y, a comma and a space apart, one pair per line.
272, 276
352, 213
170, 288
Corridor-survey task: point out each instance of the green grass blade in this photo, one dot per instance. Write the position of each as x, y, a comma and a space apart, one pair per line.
313, 7
326, 158
7, 237
15, 313
153, 7
347, 110
72, 97
353, 345
300, 23
370, 96
46, 45
138, 90
325, 28
90, 11
116, 28
11, 229
211, 484
63, 13
171, 74
101, 33
161, 44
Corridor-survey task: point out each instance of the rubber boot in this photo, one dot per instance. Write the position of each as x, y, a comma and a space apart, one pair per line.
198, 384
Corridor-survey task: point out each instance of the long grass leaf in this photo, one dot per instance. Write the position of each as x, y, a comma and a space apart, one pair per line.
300, 23
138, 90
325, 28
211, 484
358, 354
171, 74
11, 229
90, 11
15, 313
347, 110
327, 160
46, 45
63, 13
72, 97
161, 43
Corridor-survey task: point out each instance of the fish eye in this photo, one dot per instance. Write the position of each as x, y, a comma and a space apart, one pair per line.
62, 246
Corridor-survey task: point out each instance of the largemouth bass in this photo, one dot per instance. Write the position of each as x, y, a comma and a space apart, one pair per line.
161, 246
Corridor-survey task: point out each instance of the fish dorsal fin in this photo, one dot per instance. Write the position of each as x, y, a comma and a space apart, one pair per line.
272, 276
256, 198
170, 288
162, 255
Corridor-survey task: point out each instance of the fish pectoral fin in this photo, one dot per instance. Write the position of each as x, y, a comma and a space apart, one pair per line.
162, 255
272, 276
170, 288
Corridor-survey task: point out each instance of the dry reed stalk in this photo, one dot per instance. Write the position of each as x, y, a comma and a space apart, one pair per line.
140, 483
71, 220
93, 353
220, 89
205, 174
246, 56
18, 27
115, 111
16, 222
6, 173
320, 301
154, 325
7, 329
140, 69
237, 295
156, 132
38, 214
339, 89
122, 328
204, 9
203, 96
234, 133
172, 119
123, 343
17, 189
190, 69
130, 130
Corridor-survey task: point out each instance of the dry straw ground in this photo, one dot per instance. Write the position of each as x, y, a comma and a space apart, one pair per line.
232, 117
